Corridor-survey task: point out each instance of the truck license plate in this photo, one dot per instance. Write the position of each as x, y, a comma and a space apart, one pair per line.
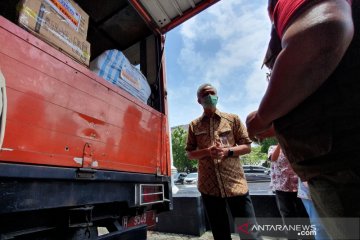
147, 218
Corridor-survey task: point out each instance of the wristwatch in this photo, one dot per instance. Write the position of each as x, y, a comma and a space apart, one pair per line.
230, 153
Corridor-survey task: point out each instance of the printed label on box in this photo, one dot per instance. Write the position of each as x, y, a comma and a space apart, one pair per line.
67, 11
124, 74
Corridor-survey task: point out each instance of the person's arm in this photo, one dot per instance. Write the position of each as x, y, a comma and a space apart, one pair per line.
313, 46
242, 140
238, 150
199, 154
266, 132
217, 152
192, 150
276, 153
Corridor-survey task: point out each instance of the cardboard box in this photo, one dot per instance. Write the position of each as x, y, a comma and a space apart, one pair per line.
73, 14
44, 21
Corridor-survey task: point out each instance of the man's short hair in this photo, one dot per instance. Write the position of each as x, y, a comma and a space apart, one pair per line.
202, 86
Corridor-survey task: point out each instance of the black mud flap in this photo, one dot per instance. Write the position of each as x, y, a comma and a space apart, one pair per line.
133, 233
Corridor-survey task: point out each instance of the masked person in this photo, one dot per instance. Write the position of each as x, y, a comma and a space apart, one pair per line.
313, 103
216, 140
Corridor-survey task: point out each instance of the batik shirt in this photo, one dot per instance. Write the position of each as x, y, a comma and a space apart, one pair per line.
219, 177
283, 178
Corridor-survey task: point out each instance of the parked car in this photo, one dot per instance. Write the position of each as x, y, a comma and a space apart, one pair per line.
256, 173
179, 177
191, 178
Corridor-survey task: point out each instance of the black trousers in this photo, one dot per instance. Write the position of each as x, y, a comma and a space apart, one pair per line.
241, 209
291, 208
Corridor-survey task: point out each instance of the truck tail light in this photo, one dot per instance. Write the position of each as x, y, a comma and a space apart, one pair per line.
150, 193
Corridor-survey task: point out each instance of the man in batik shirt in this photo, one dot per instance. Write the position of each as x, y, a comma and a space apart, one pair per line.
216, 140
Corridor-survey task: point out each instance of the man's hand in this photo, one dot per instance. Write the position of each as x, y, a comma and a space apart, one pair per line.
217, 152
257, 128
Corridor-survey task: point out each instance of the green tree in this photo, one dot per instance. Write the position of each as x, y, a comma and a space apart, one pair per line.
181, 161
266, 143
255, 157
258, 154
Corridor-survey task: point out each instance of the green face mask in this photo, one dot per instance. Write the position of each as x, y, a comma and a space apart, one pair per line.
209, 101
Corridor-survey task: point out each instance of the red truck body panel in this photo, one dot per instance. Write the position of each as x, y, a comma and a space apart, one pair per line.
78, 152
56, 107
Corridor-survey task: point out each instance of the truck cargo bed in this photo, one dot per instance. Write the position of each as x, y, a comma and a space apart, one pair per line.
59, 112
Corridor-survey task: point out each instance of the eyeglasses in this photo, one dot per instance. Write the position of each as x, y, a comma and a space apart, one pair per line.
268, 76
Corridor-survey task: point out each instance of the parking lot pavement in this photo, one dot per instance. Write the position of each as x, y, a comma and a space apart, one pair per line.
206, 236
255, 188
171, 236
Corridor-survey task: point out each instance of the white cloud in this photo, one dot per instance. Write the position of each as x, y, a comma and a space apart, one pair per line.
225, 46
186, 30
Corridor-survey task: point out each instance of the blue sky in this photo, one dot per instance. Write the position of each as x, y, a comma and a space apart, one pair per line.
223, 45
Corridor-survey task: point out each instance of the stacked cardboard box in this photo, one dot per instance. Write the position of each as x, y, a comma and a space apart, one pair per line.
62, 23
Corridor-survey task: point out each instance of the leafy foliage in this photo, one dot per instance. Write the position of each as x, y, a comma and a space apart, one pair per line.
258, 153
181, 161
255, 157
266, 143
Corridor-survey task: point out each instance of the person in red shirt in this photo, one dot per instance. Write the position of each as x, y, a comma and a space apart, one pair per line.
313, 103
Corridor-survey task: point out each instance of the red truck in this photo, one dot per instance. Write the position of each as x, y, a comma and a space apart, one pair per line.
77, 152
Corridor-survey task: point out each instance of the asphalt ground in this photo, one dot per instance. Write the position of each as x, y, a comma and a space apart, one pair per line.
255, 188
151, 235
205, 236
171, 236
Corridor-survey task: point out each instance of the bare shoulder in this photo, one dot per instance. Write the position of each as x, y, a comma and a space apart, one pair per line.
322, 18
